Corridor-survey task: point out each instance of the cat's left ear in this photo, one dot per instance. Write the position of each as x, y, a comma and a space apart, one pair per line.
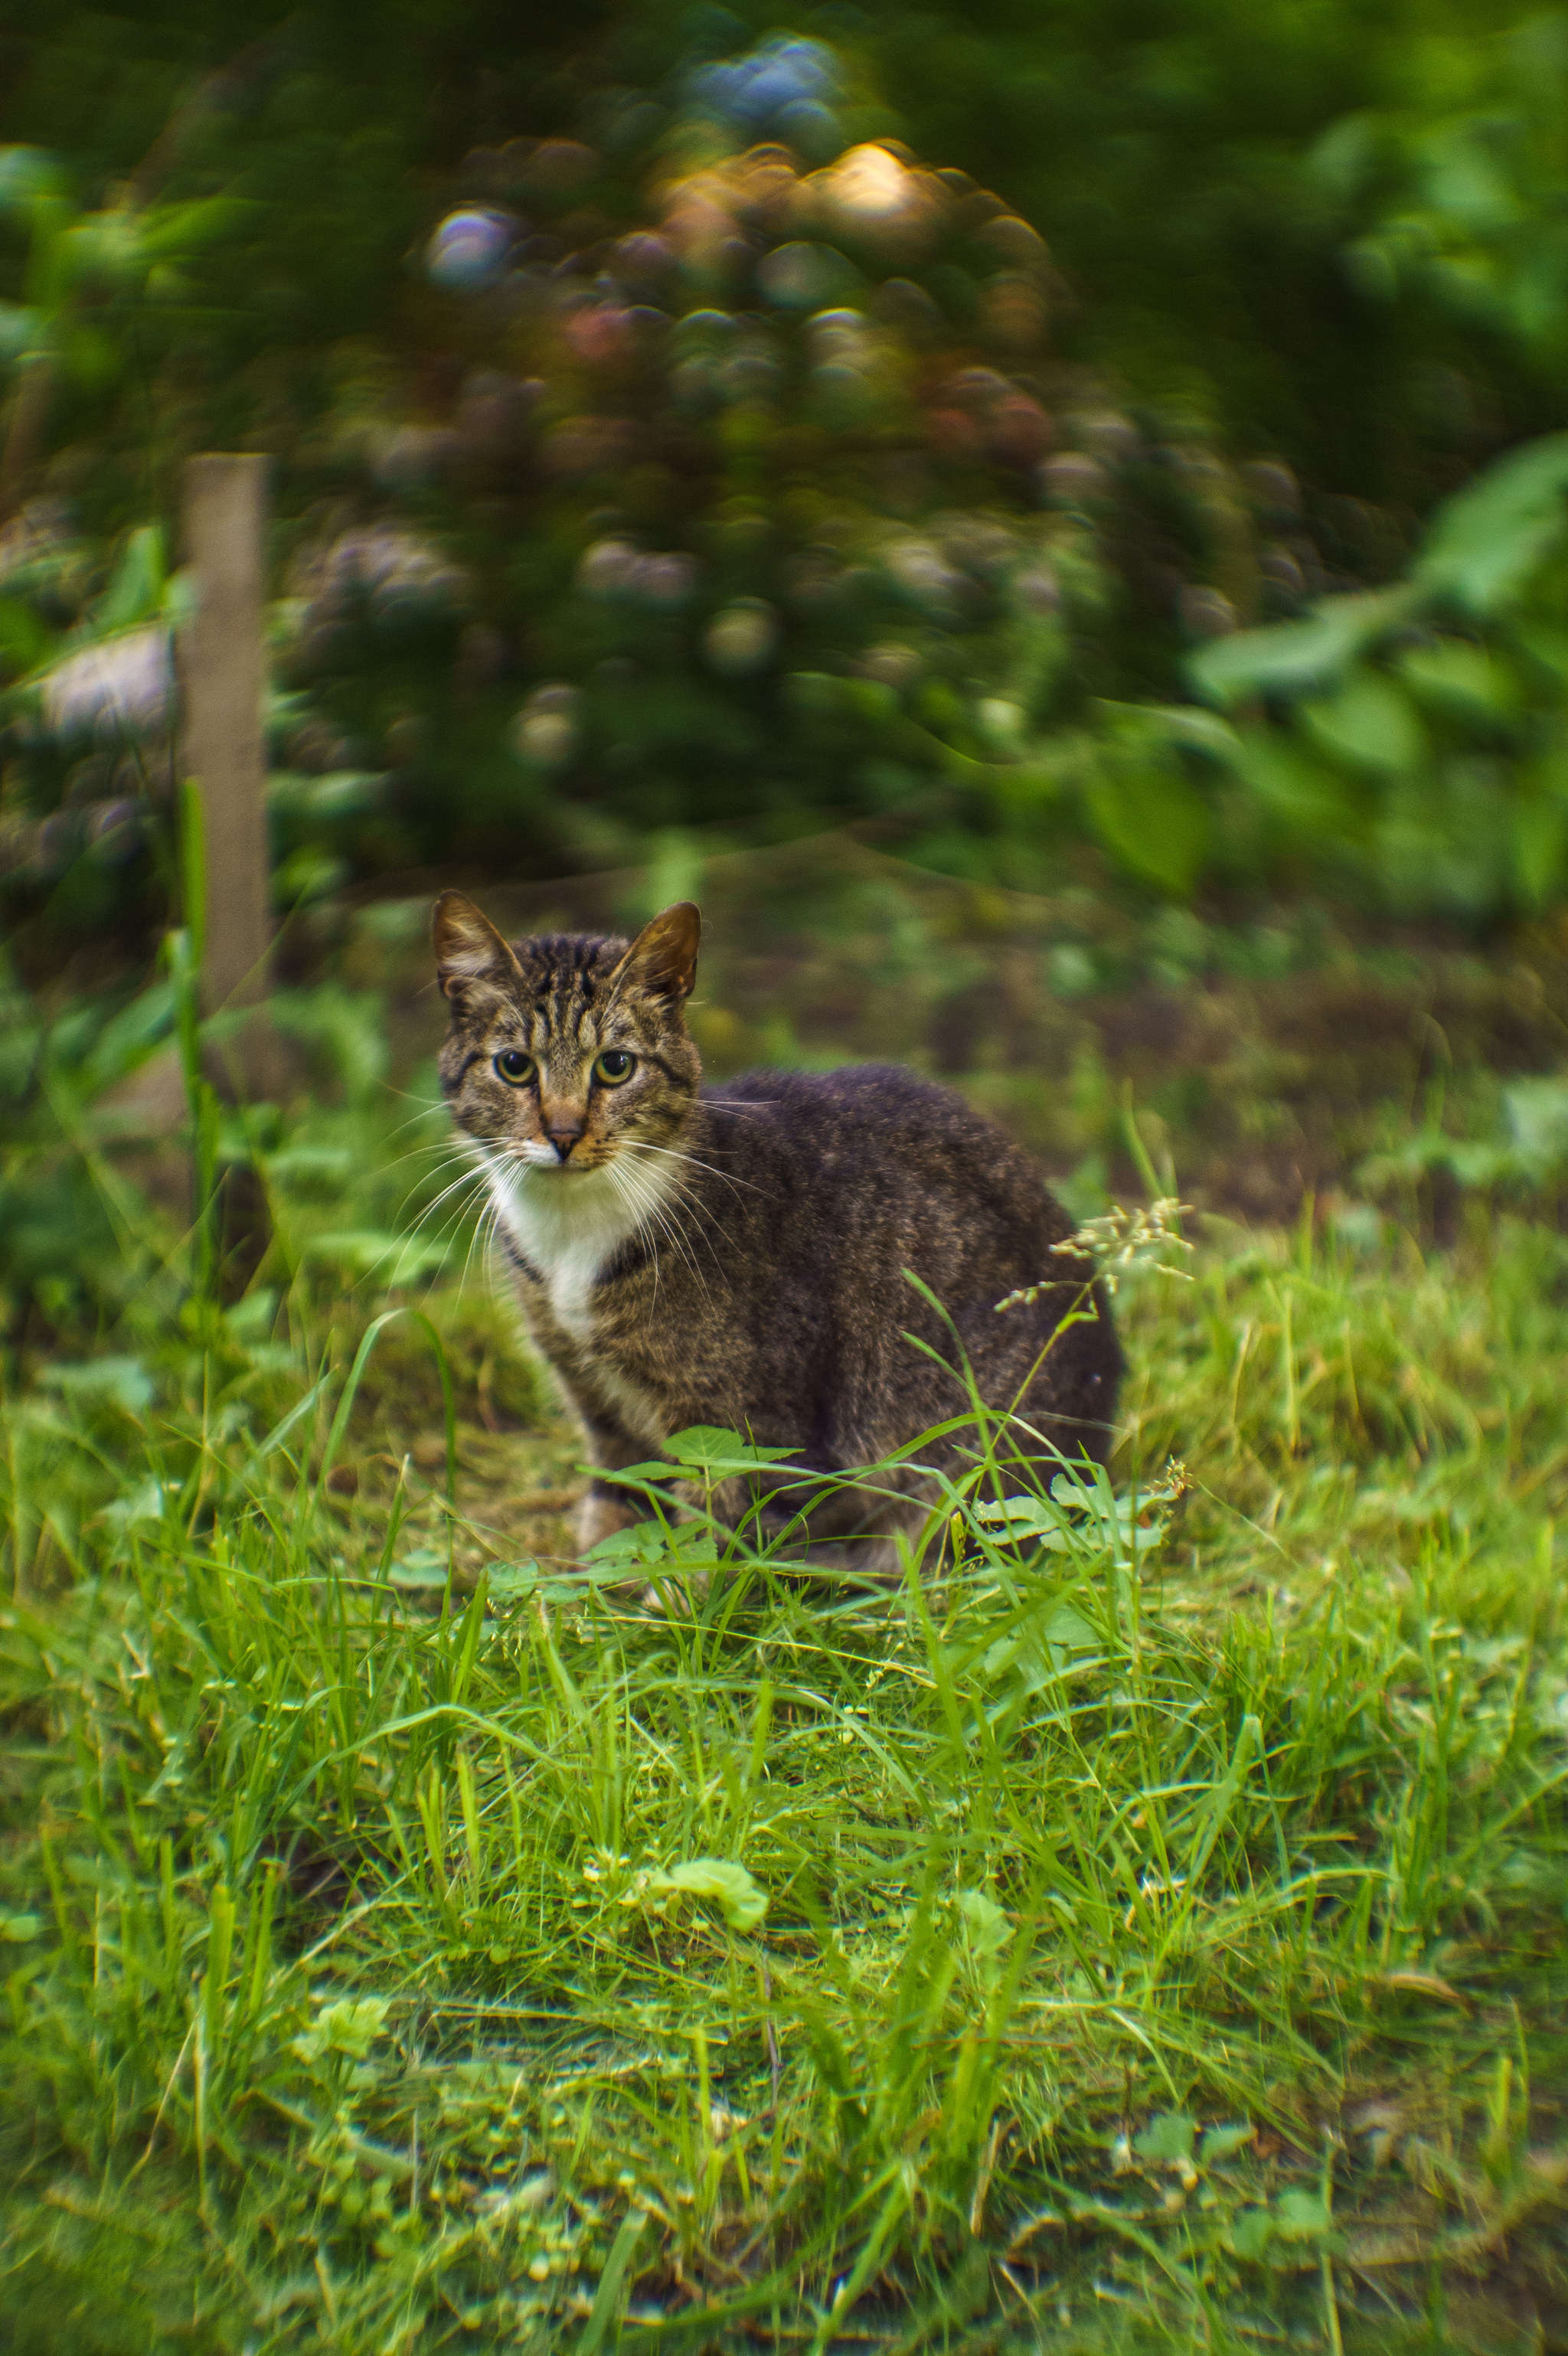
468, 949
664, 955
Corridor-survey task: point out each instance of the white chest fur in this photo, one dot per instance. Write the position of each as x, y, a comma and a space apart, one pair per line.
569, 1225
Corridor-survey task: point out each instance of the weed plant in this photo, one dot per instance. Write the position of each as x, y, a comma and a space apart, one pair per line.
1140, 1924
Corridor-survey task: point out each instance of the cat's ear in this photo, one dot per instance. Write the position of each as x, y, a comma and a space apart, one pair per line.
469, 951
662, 958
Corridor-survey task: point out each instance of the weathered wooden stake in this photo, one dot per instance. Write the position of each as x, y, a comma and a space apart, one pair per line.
222, 683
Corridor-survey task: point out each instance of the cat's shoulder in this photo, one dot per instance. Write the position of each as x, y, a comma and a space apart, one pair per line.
870, 1095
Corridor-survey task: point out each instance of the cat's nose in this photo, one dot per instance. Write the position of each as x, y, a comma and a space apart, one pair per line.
563, 1135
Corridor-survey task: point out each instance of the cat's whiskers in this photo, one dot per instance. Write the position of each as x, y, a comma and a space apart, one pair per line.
652, 1216
641, 1226
465, 1170
638, 1193
484, 1240
466, 1179
673, 1188
677, 1153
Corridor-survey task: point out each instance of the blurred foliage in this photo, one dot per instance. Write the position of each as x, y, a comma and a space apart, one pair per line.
662, 443
1420, 746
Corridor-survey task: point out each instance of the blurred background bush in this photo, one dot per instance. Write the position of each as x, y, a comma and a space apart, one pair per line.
1116, 446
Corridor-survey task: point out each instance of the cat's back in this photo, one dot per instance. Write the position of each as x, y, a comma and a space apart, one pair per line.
878, 1131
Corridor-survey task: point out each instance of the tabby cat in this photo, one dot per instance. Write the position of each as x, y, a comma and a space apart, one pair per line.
737, 1257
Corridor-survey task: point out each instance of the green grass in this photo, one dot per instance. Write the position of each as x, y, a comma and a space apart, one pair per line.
1165, 1900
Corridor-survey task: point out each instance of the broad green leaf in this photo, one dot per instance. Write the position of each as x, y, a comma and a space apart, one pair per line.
18, 1928
1297, 787
1294, 655
25, 638
1173, 723
1023, 1515
644, 1542
341, 793
1368, 723
1154, 822
1460, 679
512, 1578
1490, 537
129, 1037
175, 230
1301, 2217
1168, 2138
711, 1450
1252, 2233
987, 1925
422, 1570
1537, 1114
124, 1382
1222, 2143
740, 1901
398, 1260
137, 585
349, 2027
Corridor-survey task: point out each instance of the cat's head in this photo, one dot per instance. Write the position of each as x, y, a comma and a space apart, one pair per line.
565, 1050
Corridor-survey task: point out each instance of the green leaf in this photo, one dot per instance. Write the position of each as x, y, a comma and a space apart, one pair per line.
1022, 1515
124, 1382
1294, 655
1301, 2217
1221, 2143
741, 1901
175, 230
360, 1251
422, 1570
135, 590
1461, 680
1066, 1626
349, 2027
1252, 2233
644, 1542
1168, 2138
25, 638
987, 1923
1537, 1114
1368, 723
505, 1579
1155, 823
18, 1928
1295, 787
1172, 724
1489, 538
717, 1453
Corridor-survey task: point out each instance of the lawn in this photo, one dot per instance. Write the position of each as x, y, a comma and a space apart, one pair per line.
1142, 1928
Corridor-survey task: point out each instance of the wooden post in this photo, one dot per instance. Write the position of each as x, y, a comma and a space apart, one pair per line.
222, 681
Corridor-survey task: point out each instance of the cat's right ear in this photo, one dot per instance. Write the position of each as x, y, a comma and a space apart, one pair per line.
470, 954
664, 955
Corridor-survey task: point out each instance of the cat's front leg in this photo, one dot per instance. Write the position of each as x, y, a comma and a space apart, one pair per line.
606, 1507
603, 1511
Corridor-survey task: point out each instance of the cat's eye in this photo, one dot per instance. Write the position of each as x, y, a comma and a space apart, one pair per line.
614, 1066
515, 1068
